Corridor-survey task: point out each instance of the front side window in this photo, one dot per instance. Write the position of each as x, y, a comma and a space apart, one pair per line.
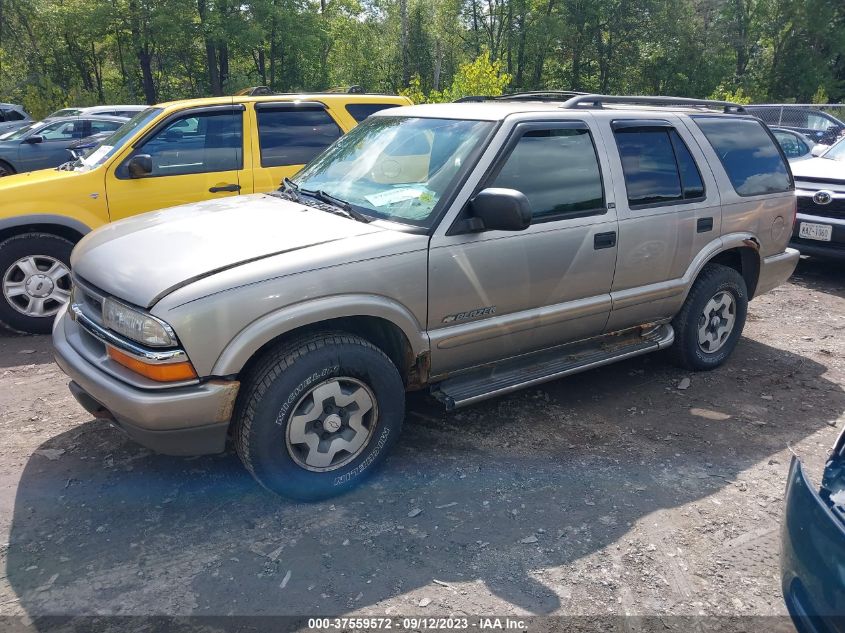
198, 143
62, 131
290, 135
749, 155
13, 115
818, 122
557, 170
658, 166
397, 168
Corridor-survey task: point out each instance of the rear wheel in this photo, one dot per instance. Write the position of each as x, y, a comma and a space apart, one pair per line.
35, 278
316, 415
711, 320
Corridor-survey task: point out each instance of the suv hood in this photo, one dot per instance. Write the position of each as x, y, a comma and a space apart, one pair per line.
144, 258
819, 168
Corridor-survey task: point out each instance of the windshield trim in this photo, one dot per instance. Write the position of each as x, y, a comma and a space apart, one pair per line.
446, 200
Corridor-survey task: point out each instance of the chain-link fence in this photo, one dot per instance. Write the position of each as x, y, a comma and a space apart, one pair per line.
822, 124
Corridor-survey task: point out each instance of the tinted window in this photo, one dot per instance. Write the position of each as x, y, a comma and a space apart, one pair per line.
648, 162
749, 155
690, 176
195, 144
293, 136
557, 170
360, 111
14, 115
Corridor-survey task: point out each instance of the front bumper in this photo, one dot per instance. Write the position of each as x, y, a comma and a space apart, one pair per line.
835, 248
776, 269
812, 558
188, 420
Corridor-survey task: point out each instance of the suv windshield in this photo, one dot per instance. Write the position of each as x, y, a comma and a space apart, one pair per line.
837, 152
396, 168
19, 133
112, 144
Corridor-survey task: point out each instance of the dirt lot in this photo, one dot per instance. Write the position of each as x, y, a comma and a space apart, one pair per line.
609, 493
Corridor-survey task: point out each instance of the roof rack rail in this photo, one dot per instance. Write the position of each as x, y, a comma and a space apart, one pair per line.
536, 95
598, 101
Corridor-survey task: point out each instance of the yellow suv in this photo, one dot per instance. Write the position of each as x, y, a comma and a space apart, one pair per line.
169, 154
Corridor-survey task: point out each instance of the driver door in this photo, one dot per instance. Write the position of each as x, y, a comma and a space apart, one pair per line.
196, 155
497, 294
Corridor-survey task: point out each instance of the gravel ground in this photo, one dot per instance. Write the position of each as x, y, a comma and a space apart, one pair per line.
613, 492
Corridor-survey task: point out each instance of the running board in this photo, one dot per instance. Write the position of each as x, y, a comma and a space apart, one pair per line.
532, 369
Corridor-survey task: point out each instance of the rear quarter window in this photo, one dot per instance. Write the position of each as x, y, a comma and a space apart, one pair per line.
360, 111
748, 153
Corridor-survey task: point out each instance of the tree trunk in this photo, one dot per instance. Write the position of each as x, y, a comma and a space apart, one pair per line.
403, 42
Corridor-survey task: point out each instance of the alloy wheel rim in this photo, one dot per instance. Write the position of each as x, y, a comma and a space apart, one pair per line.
331, 424
37, 285
716, 322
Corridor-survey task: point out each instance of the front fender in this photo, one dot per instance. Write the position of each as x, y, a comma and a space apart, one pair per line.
270, 326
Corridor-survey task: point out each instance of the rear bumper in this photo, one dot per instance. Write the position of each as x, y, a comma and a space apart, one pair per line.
776, 269
191, 420
812, 558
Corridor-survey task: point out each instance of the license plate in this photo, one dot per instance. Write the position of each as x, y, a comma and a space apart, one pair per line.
812, 231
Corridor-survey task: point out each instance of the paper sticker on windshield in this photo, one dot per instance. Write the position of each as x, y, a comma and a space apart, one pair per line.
97, 154
392, 196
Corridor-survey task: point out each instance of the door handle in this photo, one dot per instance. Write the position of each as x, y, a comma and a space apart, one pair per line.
219, 188
604, 240
703, 225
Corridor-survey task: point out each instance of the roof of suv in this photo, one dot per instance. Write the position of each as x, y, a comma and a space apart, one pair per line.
324, 97
498, 110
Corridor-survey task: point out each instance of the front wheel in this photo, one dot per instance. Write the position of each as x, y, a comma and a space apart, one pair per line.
316, 416
35, 269
711, 320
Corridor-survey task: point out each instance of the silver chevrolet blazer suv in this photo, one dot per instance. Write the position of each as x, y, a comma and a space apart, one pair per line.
471, 249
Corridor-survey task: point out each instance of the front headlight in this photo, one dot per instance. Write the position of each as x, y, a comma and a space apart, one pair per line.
136, 325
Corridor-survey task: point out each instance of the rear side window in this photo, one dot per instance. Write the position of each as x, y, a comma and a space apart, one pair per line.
12, 115
360, 111
294, 135
557, 170
658, 166
750, 157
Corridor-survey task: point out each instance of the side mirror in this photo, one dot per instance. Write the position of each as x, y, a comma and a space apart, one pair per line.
818, 150
495, 209
140, 166
34, 139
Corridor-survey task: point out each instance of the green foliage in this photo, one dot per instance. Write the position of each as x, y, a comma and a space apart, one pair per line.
737, 95
55, 53
480, 77
820, 96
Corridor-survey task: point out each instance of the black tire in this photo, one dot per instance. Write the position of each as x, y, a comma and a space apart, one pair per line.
6, 169
713, 279
272, 390
16, 248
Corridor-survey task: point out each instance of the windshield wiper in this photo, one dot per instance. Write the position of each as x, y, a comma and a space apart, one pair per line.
342, 205
291, 188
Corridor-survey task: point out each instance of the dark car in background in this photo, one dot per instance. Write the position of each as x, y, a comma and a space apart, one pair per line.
12, 117
44, 144
820, 186
817, 125
813, 546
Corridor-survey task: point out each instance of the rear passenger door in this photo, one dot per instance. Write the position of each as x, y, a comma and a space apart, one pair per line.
669, 209
289, 135
495, 294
